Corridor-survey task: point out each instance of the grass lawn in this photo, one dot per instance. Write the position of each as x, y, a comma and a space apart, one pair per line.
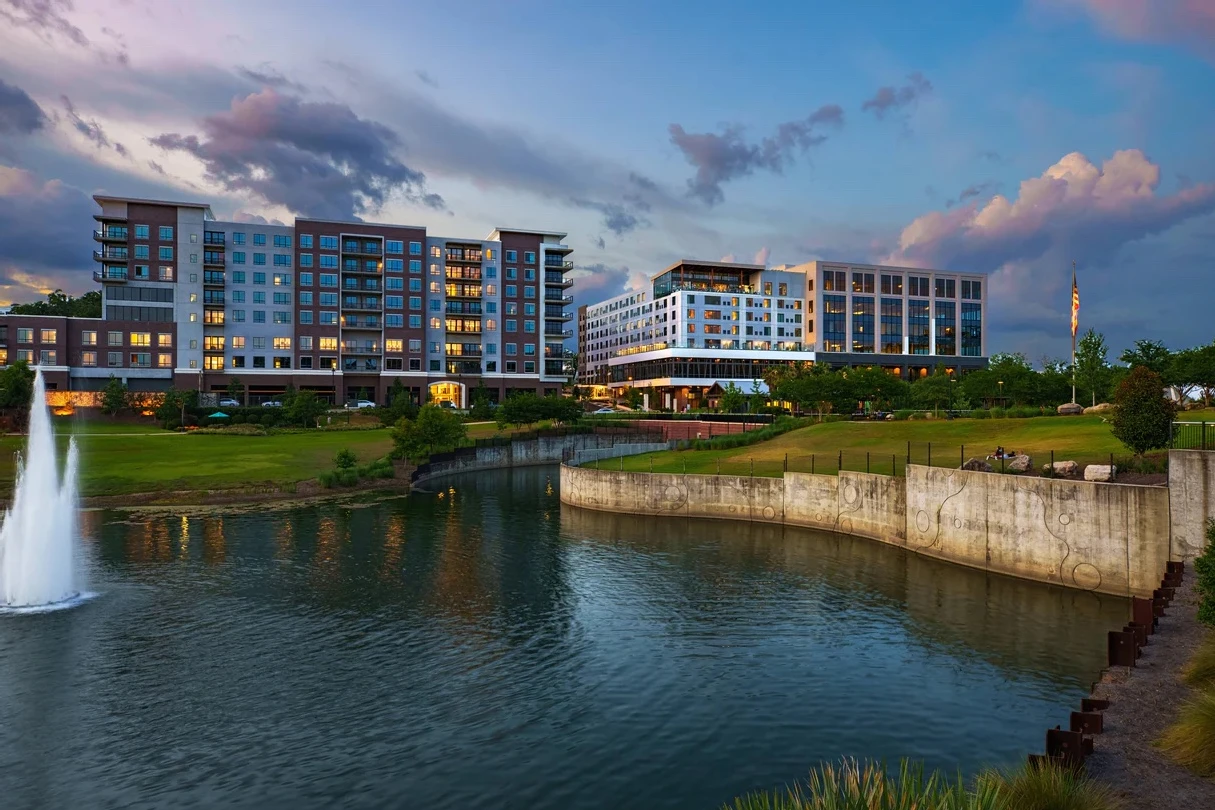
1083, 439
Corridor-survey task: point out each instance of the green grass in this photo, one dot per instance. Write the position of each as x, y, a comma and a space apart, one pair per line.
1200, 671
853, 785
883, 446
1191, 740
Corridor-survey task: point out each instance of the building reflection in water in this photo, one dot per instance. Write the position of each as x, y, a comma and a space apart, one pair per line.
215, 543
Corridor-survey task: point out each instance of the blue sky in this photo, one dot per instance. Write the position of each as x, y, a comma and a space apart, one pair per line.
1004, 138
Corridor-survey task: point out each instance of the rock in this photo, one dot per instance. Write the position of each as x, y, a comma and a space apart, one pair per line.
1063, 469
1098, 408
1100, 472
1020, 464
1070, 409
977, 465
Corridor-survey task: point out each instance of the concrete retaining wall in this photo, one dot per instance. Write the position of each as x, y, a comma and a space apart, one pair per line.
1191, 500
1111, 538
541, 450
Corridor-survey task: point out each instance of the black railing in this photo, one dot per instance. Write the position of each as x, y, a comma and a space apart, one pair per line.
211, 238
1192, 436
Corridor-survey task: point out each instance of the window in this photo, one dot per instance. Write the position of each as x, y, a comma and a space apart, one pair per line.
329, 318
862, 322
238, 276
213, 343
141, 338
393, 246
281, 241
511, 256
394, 265
529, 366
166, 254
490, 324
112, 338
166, 233
918, 286
529, 326
529, 274
972, 327
88, 358
306, 279
329, 279
394, 345
164, 340
259, 239
834, 280
512, 325
166, 273
435, 305
166, 361
512, 273
141, 232
415, 248
142, 273
259, 258
305, 316
238, 316
47, 357
782, 289
892, 285
259, 278
259, 297
282, 299
415, 301
861, 283
238, 257
945, 289
238, 239
511, 291
530, 309
282, 260
529, 291
529, 257
435, 323
47, 335
238, 362
329, 243
259, 362
491, 272
88, 338
415, 345
281, 316
415, 321
835, 322
398, 302
415, 266
394, 320
142, 252
512, 349
329, 299
512, 367
491, 307
305, 298
259, 316
141, 360
972, 290
193, 258
529, 349
305, 241
305, 260
918, 322
946, 327
305, 362
238, 296
282, 343
114, 359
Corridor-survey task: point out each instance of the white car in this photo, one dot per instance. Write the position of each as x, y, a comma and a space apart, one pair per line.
229, 403
360, 403
605, 410
274, 403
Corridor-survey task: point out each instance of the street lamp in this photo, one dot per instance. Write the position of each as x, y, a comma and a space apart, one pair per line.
1001, 384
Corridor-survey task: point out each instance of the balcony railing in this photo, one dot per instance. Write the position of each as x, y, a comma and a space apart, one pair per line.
111, 254
462, 291
557, 280
353, 266
370, 364
564, 299
354, 302
110, 275
362, 248
213, 299
360, 347
463, 308
460, 255
112, 234
365, 285
213, 277
461, 353
213, 238
562, 333
213, 259
355, 322
549, 261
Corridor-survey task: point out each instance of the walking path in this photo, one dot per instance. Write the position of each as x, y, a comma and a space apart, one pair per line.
1143, 702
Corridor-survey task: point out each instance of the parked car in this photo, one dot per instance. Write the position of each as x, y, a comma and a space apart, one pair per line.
229, 403
447, 404
360, 403
605, 410
274, 403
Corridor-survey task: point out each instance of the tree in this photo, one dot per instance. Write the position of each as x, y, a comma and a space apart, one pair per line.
1194, 370
563, 410
876, 386
17, 392
396, 391
633, 398
1092, 367
58, 303
305, 409
345, 459
171, 408
436, 429
933, 390
289, 395
113, 396
732, 399
236, 389
1142, 418
1149, 353
481, 408
521, 408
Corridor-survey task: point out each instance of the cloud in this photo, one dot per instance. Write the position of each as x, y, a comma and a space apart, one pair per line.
48, 20
1190, 23
91, 129
315, 159
973, 191
762, 256
1074, 210
991, 155
255, 219
54, 250
721, 157
892, 99
596, 282
19, 114
426, 79
620, 219
267, 76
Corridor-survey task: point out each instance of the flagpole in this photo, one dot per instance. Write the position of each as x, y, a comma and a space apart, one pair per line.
1074, 321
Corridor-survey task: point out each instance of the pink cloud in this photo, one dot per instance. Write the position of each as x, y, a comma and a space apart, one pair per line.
762, 255
1189, 22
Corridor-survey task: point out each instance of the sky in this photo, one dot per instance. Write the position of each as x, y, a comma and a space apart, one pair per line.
1007, 138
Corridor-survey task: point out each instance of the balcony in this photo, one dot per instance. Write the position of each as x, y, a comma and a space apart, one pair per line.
360, 347
456, 333
213, 278
111, 254
352, 365
111, 234
561, 333
463, 291
463, 308
214, 238
464, 367
552, 316
361, 285
355, 322
463, 273
111, 275
554, 368
557, 264
211, 259
353, 248
549, 298
457, 353
557, 280
361, 267
463, 255
367, 304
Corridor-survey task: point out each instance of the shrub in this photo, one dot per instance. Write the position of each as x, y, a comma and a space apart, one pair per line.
903, 415
980, 413
345, 459
1191, 740
238, 419
1204, 567
1200, 671
327, 479
347, 478
998, 413
1045, 787
1142, 417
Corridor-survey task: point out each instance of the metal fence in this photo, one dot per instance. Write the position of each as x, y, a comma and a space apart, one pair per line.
1192, 436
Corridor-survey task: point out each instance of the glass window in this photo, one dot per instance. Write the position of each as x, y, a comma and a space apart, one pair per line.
415, 321
166, 254
892, 324
305, 316
166, 273
415, 248
238, 257
305, 260
88, 338
259, 258
329, 243
945, 288
259, 278
415, 266
142, 232
972, 329
329, 261
946, 328
238, 238
282, 279
48, 357
861, 282
88, 358
393, 246
511, 256
529, 257
835, 322
259, 239
141, 252
166, 233
892, 285
114, 358
306, 279
862, 322
48, 335
329, 318
282, 260
282, 241
166, 360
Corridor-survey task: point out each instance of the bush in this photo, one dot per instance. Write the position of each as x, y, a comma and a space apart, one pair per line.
903, 414
345, 459
238, 419
1044, 787
1142, 417
998, 413
779, 426
1191, 740
1200, 671
1204, 567
980, 413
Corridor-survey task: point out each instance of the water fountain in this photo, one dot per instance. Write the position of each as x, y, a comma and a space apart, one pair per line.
38, 539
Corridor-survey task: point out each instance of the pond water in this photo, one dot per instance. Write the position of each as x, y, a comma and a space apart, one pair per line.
485, 647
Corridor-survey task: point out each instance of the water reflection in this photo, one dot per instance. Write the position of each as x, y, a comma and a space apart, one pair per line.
490, 648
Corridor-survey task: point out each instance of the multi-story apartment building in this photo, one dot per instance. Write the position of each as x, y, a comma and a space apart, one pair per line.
344, 309
702, 325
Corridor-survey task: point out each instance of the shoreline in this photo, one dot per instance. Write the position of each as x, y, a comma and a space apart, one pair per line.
287, 493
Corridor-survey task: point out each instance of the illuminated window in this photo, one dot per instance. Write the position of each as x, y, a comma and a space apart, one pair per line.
141, 338
282, 343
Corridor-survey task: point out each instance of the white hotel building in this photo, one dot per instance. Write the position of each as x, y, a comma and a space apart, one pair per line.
702, 325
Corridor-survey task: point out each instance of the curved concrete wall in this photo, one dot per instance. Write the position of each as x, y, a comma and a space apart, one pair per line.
1110, 538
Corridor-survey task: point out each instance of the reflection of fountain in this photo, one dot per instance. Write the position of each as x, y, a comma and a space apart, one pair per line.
38, 541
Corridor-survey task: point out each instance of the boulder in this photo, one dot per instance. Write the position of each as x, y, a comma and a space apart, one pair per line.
1019, 464
1070, 409
1062, 469
1100, 472
1100, 407
977, 465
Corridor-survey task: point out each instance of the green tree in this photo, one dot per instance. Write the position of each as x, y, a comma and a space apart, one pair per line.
171, 408
563, 410
1092, 366
1194, 370
521, 408
876, 386
288, 396
396, 391
481, 408
1142, 418
305, 409
345, 459
58, 303
1151, 354
435, 430
17, 392
633, 398
113, 396
732, 399
236, 389
934, 390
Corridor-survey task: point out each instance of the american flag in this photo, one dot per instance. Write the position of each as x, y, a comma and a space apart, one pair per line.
1075, 303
